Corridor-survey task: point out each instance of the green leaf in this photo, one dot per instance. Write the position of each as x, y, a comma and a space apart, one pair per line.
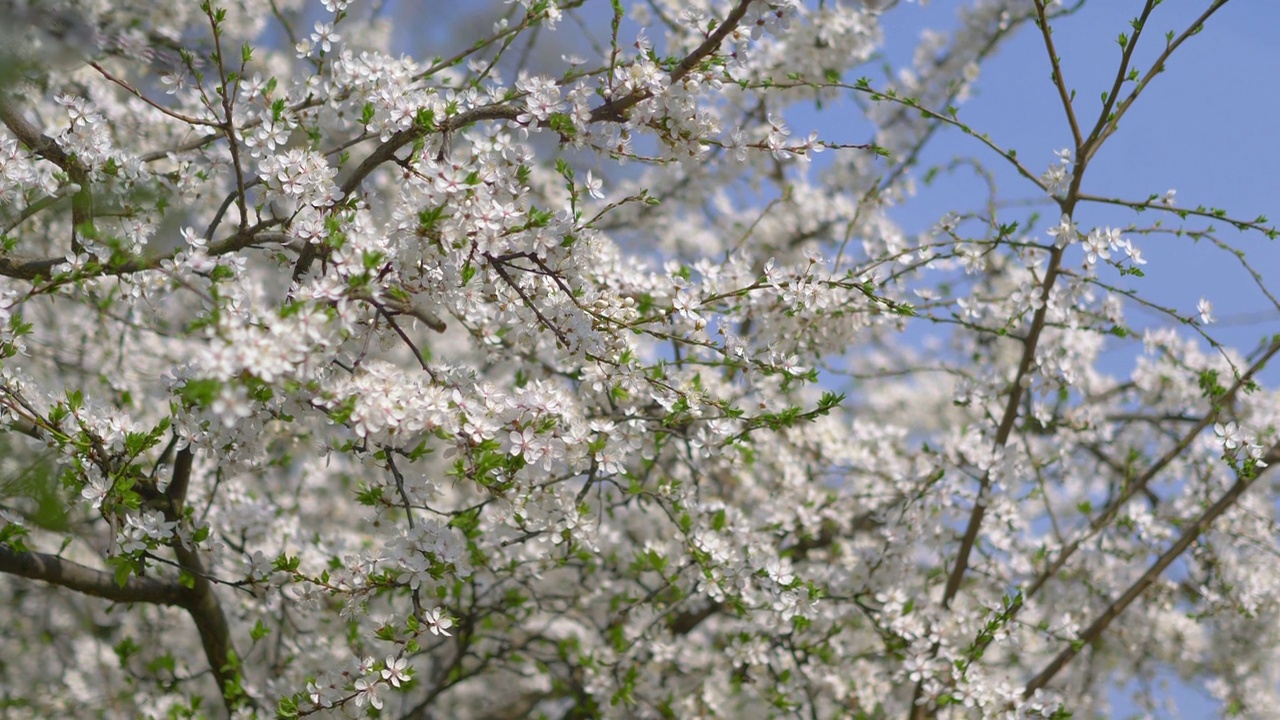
126, 649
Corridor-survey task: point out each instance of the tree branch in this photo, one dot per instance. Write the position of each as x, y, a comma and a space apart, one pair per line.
616, 109
612, 110
1117, 608
47, 148
65, 573
202, 603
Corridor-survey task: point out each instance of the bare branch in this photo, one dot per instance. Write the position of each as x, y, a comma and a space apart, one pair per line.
65, 573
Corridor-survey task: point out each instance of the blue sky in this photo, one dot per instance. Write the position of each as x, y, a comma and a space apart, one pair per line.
1205, 127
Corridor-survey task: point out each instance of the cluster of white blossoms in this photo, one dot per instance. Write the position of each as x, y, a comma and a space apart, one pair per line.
529, 377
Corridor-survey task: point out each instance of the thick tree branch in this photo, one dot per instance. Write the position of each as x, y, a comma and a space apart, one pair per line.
202, 603
34, 138
199, 600
31, 268
215, 634
176, 493
90, 581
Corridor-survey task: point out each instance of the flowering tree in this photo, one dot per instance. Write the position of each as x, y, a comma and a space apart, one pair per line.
336, 382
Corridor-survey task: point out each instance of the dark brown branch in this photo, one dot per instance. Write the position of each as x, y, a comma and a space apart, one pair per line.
89, 581
215, 634
176, 493
201, 602
29, 268
34, 138
1017, 389
616, 109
